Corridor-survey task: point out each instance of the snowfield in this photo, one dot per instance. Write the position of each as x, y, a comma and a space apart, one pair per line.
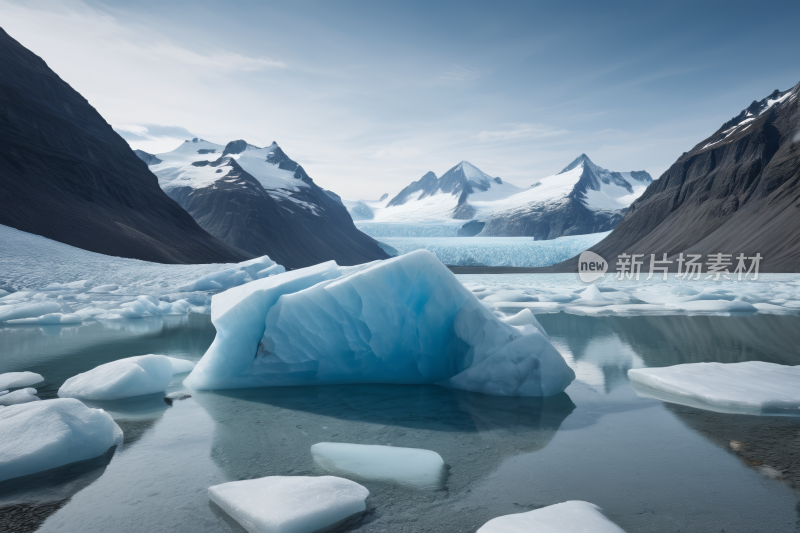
57, 284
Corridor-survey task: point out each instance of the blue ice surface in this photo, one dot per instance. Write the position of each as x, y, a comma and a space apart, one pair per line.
497, 251
403, 320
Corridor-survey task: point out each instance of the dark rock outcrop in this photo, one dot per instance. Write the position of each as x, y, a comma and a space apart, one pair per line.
67, 175
736, 192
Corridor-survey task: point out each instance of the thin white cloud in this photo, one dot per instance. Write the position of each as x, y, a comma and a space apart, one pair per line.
459, 73
397, 152
521, 131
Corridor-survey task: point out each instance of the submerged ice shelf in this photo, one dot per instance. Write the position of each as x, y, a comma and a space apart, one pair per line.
403, 320
497, 251
752, 387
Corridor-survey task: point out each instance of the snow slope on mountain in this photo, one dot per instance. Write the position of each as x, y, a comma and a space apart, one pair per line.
733, 192
583, 198
176, 168
261, 201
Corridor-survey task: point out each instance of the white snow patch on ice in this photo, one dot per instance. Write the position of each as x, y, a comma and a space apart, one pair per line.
289, 504
414, 467
752, 387
42, 435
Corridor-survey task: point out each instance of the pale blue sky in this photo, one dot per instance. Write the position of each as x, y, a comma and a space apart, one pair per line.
369, 96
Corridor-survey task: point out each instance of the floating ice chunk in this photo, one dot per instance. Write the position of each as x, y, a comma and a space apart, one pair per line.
179, 366
752, 387
19, 396
27, 310
233, 277
511, 296
12, 380
132, 376
42, 435
289, 504
524, 320
51, 319
403, 320
423, 469
568, 517
592, 292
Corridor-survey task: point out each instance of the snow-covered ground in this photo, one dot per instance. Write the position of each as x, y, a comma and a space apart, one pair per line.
497, 251
553, 293
55, 283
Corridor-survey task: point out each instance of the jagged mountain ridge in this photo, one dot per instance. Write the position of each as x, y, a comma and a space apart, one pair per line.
582, 198
65, 174
260, 200
738, 191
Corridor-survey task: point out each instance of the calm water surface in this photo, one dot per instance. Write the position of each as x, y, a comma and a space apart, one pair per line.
651, 466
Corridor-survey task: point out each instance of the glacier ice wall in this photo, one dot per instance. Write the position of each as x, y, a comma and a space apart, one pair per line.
403, 320
497, 251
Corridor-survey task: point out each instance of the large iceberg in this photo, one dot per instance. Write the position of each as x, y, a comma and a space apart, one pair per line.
568, 517
132, 376
289, 504
403, 320
413, 467
42, 435
752, 387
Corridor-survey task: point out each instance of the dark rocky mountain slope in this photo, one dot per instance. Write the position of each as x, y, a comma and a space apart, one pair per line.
737, 191
66, 175
261, 201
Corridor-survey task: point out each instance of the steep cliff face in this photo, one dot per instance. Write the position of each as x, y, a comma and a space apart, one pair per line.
737, 191
66, 175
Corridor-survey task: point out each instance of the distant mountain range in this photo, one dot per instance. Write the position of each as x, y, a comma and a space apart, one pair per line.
583, 198
261, 201
66, 175
738, 191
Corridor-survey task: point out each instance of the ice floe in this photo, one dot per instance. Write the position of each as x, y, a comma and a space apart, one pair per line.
289, 504
413, 467
568, 517
124, 378
403, 320
12, 380
752, 387
553, 293
42, 435
50, 283
19, 396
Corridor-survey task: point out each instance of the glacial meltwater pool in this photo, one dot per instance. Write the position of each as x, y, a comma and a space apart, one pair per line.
651, 466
